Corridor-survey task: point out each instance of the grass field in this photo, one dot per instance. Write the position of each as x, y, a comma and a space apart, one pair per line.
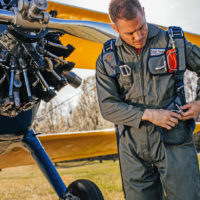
28, 183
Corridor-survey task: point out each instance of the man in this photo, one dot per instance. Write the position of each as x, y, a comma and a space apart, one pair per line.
135, 87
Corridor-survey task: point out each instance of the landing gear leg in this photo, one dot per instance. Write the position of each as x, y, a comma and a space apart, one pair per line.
40, 156
78, 190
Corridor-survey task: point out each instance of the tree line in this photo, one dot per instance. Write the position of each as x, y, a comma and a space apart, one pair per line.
86, 114
67, 118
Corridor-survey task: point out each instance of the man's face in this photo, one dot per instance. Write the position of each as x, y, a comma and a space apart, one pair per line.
133, 32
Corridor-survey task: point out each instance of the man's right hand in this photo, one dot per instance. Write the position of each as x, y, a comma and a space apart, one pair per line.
163, 118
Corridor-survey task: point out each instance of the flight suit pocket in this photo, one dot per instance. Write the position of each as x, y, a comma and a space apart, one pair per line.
178, 135
157, 65
167, 63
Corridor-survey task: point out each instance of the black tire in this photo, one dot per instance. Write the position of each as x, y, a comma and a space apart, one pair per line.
85, 190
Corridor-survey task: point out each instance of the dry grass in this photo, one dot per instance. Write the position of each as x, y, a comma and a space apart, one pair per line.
28, 183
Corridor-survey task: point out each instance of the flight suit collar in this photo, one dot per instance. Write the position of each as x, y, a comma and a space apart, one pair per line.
152, 32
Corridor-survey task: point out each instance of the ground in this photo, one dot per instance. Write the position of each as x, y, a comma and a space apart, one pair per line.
27, 182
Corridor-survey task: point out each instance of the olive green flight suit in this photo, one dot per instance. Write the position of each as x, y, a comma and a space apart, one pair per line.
147, 164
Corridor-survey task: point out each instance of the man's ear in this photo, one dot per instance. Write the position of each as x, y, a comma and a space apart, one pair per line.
114, 27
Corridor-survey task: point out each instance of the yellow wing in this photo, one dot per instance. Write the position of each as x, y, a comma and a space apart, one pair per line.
68, 146
86, 52
65, 147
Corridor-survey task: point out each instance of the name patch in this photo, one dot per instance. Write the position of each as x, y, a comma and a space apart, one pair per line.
156, 52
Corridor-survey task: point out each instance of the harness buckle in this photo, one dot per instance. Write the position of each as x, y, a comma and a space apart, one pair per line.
108, 46
180, 88
125, 70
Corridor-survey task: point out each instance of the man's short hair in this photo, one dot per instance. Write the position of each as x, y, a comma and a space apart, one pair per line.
124, 9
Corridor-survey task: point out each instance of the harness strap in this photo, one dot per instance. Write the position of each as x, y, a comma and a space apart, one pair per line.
111, 62
176, 33
110, 58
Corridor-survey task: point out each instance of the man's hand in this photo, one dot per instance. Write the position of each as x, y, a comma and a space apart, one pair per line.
163, 118
190, 110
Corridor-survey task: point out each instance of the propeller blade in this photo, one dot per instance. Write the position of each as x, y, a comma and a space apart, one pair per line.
88, 30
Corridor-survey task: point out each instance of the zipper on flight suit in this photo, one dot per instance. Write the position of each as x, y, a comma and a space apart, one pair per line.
139, 62
138, 56
143, 98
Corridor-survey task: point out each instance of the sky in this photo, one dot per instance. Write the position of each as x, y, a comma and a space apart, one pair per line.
184, 13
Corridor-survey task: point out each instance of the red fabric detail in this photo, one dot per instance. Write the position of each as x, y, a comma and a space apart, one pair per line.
172, 60
137, 50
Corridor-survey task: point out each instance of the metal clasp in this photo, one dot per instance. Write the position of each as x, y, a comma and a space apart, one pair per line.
179, 110
125, 70
162, 67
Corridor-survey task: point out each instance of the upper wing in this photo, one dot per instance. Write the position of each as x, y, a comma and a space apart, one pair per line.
78, 23
86, 51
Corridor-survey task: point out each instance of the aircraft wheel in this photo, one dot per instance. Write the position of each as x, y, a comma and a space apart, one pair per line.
85, 190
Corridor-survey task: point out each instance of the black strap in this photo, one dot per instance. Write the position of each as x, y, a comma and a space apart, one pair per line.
174, 33
109, 46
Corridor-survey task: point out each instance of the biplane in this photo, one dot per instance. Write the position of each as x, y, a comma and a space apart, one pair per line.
85, 30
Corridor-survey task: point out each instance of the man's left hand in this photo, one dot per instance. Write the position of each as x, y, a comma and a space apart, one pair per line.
190, 110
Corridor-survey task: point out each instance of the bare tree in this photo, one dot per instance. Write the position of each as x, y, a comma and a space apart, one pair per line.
54, 117
190, 80
86, 115
51, 118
